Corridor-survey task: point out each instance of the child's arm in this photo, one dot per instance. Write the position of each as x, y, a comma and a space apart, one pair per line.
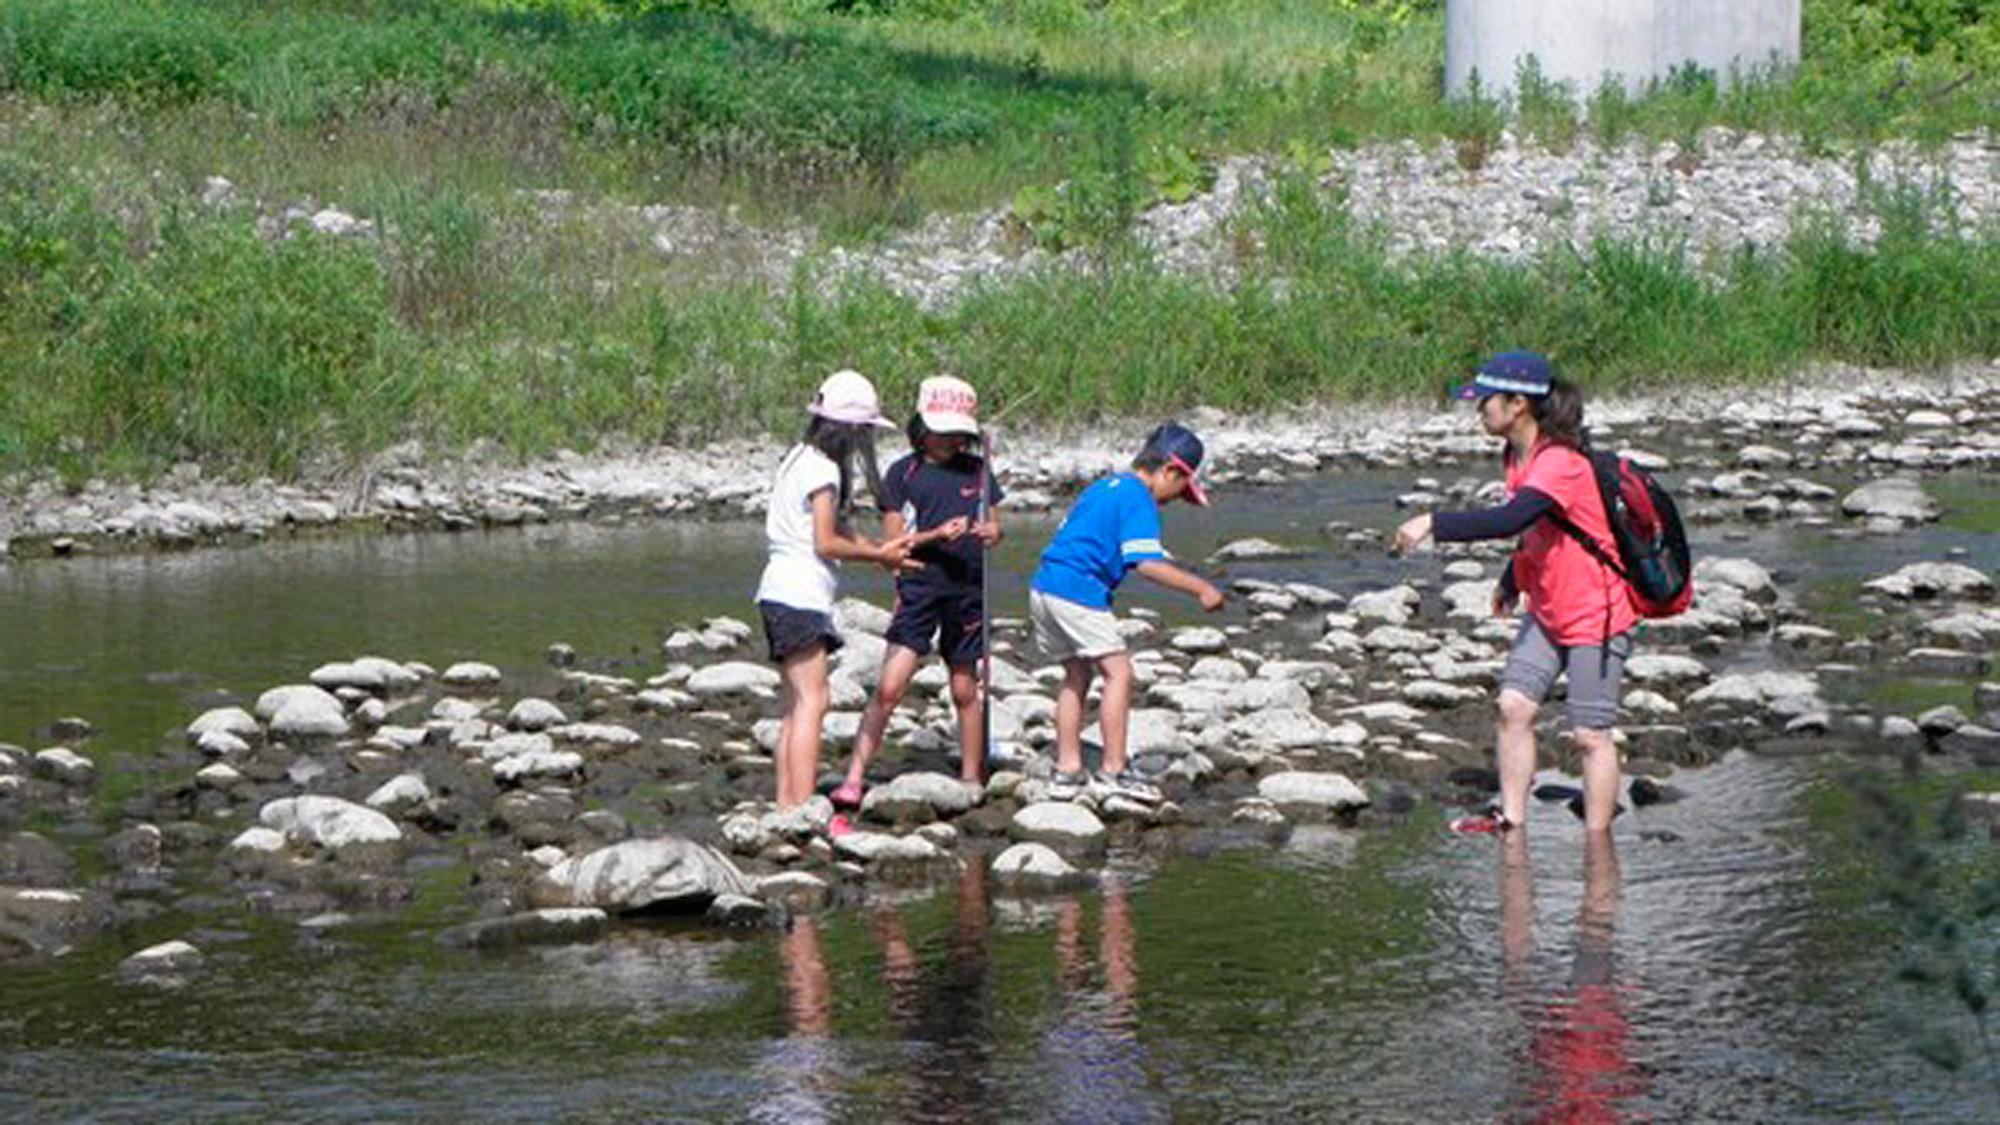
831, 544
1187, 582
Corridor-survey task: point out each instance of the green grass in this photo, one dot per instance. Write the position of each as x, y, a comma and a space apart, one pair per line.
140, 330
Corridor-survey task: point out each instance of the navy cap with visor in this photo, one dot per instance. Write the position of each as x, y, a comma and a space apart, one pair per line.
1177, 445
1510, 373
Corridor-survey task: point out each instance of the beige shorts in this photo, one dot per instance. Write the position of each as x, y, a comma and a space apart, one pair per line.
1065, 630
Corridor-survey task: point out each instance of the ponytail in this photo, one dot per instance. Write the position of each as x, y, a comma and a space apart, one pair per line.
1559, 414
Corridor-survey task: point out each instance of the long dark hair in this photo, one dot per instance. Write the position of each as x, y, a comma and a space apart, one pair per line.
1559, 414
846, 444
917, 430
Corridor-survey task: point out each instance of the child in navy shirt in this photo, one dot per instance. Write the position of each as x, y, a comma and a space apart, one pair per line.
940, 489
1114, 527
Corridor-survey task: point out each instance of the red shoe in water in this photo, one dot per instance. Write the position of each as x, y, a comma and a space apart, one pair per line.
1491, 821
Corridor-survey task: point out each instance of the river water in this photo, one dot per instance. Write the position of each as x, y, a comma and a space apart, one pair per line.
1728, 958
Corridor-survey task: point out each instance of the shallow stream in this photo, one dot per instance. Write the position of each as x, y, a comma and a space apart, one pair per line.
1725, 961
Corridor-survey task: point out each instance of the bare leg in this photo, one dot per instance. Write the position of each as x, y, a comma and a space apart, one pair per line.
1115, 709
1069, 714
798, 749
1516, 754
1600, 779
897, 667
971, 724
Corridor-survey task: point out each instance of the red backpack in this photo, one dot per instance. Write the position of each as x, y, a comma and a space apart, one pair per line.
1653, 556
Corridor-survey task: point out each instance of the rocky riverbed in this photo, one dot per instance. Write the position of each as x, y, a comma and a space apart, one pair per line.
1766, 453
635, 786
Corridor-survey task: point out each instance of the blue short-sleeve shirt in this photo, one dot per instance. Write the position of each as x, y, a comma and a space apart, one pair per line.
1113, 527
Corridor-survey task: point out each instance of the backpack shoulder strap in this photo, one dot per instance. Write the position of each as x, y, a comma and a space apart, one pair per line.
1574, 532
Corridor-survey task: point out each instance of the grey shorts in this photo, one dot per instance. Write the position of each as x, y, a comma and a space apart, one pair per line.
1065, 630
1594, 672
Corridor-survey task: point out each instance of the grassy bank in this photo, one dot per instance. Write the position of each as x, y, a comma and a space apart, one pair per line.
140, 326
166, 332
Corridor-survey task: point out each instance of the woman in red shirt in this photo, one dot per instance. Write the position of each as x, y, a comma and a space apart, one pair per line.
1579, 613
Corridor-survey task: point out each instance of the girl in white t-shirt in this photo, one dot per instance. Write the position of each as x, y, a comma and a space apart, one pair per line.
806, 527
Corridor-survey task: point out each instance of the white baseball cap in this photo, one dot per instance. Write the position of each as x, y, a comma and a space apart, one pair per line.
948, 405
848, 396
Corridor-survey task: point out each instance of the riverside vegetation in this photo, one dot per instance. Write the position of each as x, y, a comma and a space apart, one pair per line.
149, 319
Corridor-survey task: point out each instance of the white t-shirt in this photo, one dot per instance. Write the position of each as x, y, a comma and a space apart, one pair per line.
795, 575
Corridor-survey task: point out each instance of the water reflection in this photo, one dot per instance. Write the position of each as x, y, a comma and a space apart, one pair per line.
1089, 1063
1093, 1055
1578, 1065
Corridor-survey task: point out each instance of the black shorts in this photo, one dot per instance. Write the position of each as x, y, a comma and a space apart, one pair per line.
952, 616
791, 631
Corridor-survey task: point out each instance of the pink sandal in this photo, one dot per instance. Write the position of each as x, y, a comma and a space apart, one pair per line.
848, 796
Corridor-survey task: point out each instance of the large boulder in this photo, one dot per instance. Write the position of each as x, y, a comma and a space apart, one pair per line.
665, 874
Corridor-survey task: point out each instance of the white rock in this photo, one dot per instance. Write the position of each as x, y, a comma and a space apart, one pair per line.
1657, 668
329, 822
879, 847
1896, 498
1934, 580
258, 839
1294, 791
733, 677
399, 792
64, 765
1058, 824
665, 872
1201, 638
1394, 606
271, 702
232, 721
918, 796
605, 735
470, 674
1032, 865
535, 714
166, 956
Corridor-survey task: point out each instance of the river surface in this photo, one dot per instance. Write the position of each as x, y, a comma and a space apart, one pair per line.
1727, 958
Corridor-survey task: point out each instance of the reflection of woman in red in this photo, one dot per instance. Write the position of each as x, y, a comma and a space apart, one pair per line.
1580, 1054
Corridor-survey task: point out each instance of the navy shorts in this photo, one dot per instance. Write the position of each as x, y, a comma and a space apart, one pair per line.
951, 616
790, 631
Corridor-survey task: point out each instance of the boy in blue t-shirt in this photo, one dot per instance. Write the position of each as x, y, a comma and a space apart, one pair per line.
1114, 527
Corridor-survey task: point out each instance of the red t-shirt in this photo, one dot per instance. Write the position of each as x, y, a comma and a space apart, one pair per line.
1579, 600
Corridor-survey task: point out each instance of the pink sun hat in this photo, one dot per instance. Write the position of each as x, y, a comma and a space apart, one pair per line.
948, 405
848, 396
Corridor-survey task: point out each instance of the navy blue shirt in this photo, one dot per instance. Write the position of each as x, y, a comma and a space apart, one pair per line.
928, 495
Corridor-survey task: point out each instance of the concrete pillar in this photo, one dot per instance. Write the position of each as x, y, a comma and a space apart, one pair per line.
1633, 41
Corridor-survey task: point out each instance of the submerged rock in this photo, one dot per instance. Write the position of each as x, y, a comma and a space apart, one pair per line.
555, 926
1901, 499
